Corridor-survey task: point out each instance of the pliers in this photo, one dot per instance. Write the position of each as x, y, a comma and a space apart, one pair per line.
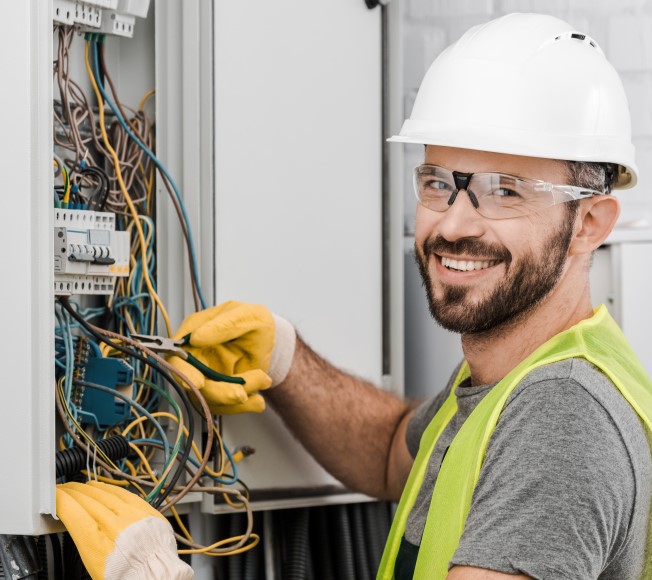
164, 345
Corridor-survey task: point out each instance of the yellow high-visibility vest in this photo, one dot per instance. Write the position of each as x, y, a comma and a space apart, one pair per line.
600, 341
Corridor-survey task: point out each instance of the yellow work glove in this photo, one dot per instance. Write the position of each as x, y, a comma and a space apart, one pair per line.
119, 535
237, 339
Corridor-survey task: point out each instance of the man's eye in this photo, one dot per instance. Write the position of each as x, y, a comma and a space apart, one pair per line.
439, 185
505, 192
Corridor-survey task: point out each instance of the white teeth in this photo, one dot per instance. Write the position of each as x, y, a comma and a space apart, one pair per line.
467, 265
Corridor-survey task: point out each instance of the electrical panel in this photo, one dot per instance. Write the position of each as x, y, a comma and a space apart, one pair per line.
89, 254
112, 17
118, 24
70, 12
87, 267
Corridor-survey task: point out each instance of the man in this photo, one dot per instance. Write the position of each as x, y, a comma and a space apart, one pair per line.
533, 462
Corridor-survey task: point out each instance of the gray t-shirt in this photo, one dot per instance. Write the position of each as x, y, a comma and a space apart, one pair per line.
566, 484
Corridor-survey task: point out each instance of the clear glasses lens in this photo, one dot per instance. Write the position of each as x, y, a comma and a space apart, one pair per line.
500, 196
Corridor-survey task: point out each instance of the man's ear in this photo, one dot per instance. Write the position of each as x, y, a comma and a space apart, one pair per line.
597, 217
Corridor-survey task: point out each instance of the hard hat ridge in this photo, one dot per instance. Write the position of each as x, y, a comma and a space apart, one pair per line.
526, 84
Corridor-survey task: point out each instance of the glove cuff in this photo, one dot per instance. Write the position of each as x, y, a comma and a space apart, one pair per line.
146, 549
285, 342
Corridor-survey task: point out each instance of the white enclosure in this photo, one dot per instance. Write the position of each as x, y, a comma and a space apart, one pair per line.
298, 206
270, 118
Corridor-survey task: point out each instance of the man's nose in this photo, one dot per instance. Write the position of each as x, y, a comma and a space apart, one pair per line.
461, 219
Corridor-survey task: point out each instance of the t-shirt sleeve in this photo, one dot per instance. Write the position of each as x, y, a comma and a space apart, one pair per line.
556, 491
424, 413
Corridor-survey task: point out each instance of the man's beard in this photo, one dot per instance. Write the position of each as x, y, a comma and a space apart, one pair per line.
524, 286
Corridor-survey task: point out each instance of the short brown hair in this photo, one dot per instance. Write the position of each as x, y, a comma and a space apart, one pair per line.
597, 176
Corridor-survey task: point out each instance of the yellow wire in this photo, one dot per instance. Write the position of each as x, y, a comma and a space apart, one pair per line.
206, 549
79, 428
119, 482
150, 187
103, 478
132, 469
238, 456
66, 195
150, 234
146, 465
183, 528
195, 449
123, 188
148, 94
255, 538
180, 430
207, 470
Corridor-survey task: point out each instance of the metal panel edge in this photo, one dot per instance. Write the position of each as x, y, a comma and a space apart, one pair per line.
27, 346
393, 118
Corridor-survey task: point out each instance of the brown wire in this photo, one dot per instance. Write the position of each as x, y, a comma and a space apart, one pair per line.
199, 397
175, 201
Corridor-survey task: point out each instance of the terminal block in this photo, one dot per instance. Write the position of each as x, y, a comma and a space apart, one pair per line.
105, 408
88, 252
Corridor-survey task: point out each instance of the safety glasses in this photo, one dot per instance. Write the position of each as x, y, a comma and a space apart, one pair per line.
494, 195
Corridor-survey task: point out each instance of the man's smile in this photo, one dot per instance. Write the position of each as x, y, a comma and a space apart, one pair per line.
467, 265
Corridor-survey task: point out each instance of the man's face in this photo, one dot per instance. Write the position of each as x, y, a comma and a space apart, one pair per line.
481, 273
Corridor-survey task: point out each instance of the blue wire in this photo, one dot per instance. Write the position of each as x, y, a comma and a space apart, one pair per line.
66, 336
158, 164
91, 417
64, 325
136, 406
230, 481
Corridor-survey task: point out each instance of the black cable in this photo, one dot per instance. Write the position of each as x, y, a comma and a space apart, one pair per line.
298, 544
235, 563
253, 558
360, 542
165, 374
377, 518
320, 537
19, 557
101, 191
72, 460
345, 568
49, 549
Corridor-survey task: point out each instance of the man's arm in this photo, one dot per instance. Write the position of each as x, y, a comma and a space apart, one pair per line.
353, 429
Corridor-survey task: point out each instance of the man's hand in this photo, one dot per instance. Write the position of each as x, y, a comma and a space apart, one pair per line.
118, 534
238, 339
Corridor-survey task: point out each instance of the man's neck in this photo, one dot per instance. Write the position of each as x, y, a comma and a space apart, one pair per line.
493, 354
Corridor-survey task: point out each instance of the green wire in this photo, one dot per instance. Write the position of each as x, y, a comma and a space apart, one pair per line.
66, 181
177, 445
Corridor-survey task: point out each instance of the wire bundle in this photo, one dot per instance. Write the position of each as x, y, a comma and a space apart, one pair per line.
104, 161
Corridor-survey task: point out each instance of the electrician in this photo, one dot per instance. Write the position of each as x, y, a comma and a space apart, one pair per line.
534, 461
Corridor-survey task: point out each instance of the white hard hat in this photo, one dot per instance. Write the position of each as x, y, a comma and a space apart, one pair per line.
526, 84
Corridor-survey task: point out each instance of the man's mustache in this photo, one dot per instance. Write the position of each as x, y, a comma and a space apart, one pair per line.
467, 247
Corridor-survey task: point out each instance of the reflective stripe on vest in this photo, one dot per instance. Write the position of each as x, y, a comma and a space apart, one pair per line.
600, 341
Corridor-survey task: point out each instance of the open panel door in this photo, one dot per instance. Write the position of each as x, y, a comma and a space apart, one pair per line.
298, 199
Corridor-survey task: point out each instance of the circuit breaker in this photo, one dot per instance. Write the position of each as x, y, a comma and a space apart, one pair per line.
89, 254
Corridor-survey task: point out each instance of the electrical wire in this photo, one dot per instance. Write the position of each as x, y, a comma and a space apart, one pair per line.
156, 161
164, 369
176, 200
127, 190
134, 213
139, 408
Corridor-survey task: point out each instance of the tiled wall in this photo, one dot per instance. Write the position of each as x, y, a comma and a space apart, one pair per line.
622, 28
